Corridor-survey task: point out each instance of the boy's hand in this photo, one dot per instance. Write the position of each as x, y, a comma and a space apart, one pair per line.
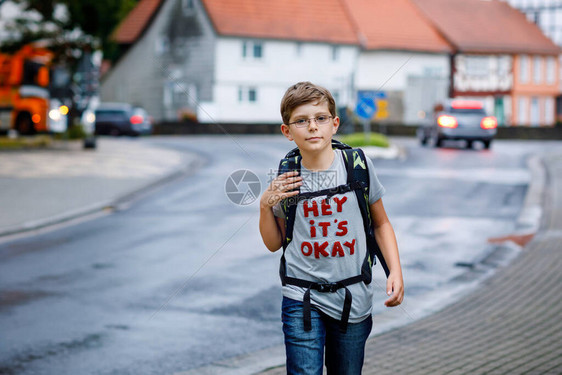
395, 289
280, 188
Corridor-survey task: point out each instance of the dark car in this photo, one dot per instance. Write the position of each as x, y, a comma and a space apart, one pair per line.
121, 119
459, 120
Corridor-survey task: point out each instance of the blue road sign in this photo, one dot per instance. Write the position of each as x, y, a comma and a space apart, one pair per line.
366, 106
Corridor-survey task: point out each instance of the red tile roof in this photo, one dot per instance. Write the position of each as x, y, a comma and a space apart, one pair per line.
394, 24
486, 26
131, 28
477, 26
304, 20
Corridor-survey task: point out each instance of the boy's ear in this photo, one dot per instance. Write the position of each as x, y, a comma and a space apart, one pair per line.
336, 125
286, 132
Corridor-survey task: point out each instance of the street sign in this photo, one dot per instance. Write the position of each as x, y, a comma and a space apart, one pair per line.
366, 106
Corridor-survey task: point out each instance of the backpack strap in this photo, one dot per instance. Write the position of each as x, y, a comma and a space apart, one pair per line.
326, 288
356, 167
291, 162
289, 206
340, 145
330, 192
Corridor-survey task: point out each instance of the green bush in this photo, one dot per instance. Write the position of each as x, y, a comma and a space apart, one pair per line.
359, 140
73, 132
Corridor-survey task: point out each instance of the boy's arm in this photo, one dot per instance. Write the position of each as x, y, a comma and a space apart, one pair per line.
272, 229
384, 234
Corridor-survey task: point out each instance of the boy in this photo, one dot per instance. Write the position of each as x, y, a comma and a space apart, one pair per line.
327, 303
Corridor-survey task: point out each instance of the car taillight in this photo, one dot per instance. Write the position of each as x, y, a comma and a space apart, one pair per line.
489, 122
446, 121
467, 104
136, 119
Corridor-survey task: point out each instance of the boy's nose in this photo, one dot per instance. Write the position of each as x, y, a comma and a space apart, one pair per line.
312, 125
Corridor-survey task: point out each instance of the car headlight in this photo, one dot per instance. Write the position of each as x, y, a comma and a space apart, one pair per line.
91, 117
54, 114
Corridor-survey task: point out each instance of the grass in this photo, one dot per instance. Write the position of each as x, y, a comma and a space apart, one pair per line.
73, 132
40, 141
359, 140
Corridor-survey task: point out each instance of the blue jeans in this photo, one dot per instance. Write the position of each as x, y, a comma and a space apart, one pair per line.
305, 350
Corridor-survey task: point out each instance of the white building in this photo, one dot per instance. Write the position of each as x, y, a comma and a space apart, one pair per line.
231, 61
251, 76
228, 63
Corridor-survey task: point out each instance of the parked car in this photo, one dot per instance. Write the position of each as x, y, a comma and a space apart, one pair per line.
459, 120
121, 119
141, 120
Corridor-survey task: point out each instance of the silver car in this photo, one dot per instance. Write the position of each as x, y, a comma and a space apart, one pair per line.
117, 119
459, 120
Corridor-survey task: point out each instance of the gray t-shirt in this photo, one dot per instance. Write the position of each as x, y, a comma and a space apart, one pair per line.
329, 241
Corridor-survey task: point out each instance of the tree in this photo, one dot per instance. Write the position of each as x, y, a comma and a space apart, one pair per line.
68, 22
72, 30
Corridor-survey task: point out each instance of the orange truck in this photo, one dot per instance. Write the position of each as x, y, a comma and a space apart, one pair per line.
25, 102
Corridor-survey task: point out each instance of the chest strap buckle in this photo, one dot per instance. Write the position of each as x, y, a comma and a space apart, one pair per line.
328, 287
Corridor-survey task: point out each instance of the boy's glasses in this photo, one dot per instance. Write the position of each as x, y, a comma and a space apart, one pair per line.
303, 122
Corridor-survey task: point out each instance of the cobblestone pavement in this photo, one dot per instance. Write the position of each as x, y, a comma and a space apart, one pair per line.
510, 325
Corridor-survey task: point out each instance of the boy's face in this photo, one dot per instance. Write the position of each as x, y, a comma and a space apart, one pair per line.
313, 136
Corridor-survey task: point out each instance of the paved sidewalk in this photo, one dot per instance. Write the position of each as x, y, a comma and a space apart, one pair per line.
48, 186
510, 325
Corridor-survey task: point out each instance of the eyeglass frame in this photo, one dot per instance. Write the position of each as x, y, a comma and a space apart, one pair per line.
308, 120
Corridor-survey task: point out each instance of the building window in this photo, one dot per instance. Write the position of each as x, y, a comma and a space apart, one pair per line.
504, 65
251, 49
477, 66
550, 70
187, 6
535, 111
299, 49
549, 110
537, 69
522, 111
162, 45
257, 50
248, 94
335, 53
524, 69
252, 95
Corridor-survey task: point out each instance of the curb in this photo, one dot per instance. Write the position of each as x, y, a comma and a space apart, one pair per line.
529, 218
119, 203
391, 152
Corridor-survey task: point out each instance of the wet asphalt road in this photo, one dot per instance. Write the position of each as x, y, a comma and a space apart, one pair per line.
180, 279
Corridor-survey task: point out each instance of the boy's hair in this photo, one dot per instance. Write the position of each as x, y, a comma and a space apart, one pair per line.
304, 93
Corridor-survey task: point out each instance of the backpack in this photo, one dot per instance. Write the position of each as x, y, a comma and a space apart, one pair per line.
357, 181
